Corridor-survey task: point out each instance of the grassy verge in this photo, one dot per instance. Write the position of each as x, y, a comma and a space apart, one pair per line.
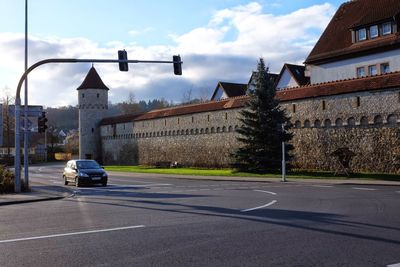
296, 174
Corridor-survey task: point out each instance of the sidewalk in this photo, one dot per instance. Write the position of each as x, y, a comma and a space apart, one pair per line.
351, 181
38, 193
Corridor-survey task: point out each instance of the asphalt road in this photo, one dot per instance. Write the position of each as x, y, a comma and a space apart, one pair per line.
140, 220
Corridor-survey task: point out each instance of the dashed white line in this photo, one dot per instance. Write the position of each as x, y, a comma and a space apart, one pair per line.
364, 188
268, 192
70, 234
322, 186
260, 207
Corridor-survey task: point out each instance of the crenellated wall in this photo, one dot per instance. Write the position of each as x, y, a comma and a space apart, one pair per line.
366, 122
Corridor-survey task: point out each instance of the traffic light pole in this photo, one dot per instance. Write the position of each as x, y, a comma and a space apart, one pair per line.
17, 158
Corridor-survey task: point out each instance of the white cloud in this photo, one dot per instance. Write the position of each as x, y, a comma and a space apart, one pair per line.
227, 48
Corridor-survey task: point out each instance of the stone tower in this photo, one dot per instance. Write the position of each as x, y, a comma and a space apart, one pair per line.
93, 104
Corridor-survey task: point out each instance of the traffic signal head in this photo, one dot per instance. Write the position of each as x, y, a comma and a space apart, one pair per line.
177, 65
42, 123
123, 55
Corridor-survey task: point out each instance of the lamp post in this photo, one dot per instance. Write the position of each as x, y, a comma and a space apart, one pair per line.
26, 132
17, 158
283, 156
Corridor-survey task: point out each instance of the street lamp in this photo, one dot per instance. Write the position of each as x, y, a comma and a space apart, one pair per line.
283, 156
17, 158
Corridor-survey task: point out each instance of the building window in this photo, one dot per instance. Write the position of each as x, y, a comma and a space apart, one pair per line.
98, 95
323, 105
385, 68
317, 123
306, 124
83, 95
208, 118
178, 120
362, 34
226, 116
372, 70
192, 119
360, 72
294, 108
373, 31
386, 28
165, 122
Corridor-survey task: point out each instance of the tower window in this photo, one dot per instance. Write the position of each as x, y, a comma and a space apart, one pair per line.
92, 130
323, 105
83, 95
98, 95
294, 108
358, 101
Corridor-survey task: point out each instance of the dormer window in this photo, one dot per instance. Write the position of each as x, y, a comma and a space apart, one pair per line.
387, 28
362, 34
373, 31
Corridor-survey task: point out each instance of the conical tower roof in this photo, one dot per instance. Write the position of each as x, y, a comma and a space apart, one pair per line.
92, 81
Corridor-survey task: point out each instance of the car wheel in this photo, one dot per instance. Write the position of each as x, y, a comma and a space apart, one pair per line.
77, 182
65, 180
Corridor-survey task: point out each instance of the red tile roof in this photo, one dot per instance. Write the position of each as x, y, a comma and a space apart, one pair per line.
336, 41
92, 81
386, 81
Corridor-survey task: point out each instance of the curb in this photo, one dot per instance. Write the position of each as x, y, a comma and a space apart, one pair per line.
262, 180
38, 199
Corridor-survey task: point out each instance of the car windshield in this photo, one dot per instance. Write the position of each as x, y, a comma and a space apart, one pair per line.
87, 165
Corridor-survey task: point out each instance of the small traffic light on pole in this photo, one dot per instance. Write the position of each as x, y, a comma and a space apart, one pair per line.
123, 55
42, 123
177, 65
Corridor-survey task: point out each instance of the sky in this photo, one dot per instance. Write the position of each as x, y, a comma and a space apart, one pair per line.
218, 40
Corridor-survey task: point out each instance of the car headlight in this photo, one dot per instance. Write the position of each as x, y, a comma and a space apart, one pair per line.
104, 175
82, 174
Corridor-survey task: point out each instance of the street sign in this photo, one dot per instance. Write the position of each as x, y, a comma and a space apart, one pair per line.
33, 111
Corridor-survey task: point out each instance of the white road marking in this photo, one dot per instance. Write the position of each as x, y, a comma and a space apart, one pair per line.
394, 265
364, 188
57, 182
260, 207
268, 192
70, 234
322, 186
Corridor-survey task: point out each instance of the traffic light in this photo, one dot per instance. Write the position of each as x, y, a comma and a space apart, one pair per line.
123, 55
42, 123
177, 65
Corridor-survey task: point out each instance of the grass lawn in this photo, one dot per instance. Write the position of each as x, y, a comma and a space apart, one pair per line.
229, 172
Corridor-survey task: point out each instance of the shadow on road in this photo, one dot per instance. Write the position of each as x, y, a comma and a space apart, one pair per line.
304, 220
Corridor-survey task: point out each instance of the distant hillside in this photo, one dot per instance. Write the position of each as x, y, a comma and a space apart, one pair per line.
66, 118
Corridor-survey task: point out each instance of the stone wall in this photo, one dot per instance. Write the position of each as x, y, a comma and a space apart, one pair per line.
376, 149
367, 123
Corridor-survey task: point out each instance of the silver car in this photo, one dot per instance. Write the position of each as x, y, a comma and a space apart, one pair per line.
82, 171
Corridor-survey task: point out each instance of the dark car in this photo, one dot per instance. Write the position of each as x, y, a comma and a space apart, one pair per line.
84, 171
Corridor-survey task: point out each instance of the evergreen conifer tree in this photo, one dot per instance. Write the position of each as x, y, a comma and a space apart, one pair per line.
261, 133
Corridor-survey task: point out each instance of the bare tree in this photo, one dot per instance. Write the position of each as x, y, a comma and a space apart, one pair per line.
8, 120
